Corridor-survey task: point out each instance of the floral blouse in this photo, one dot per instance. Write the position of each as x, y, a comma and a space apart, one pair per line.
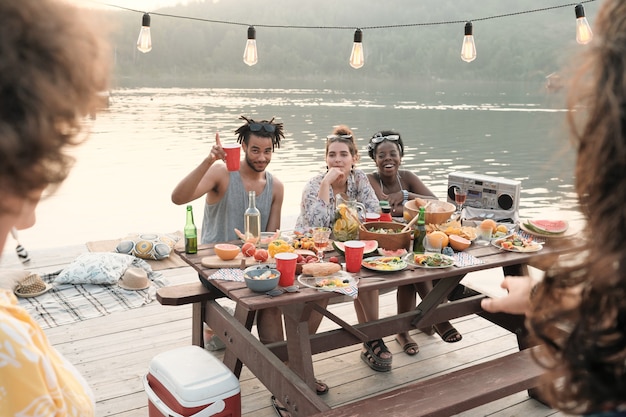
315, 212
34, 378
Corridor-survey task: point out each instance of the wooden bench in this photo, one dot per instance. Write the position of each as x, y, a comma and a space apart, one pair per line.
451, 393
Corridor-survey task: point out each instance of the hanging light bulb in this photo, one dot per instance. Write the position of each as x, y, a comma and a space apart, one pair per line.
357, 58
468, 50
144, 43
583, 30
250, 56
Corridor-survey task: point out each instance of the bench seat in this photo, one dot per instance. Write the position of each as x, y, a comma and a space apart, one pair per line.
452, 393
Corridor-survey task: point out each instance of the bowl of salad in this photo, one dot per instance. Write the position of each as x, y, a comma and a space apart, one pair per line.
389, 235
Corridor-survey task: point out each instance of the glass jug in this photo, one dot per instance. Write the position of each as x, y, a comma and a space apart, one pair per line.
348, 214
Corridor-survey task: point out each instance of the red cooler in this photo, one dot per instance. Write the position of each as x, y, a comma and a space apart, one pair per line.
191, 382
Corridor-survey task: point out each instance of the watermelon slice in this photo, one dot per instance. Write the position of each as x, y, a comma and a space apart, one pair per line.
370, 246
389, 252
547, 227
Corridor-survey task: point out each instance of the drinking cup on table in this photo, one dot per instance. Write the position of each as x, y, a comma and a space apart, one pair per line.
286, 265
233, 157
484, 236
372, 217
432, 244
354, 255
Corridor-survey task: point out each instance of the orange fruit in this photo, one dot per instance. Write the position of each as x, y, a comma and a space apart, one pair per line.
440, 236
489, 224
459, 243
226, 251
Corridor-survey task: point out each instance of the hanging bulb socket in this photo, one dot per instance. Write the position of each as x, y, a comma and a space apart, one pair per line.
145, 20
250, 56
144, 43
357, 58
468, 50
583, 30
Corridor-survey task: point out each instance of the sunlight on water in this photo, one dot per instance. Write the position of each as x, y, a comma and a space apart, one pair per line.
150, 138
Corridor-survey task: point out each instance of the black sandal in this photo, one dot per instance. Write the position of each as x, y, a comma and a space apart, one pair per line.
371, 356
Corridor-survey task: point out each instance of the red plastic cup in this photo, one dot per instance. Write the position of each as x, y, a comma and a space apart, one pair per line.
372, 217
286, 265
354, 255
233, 157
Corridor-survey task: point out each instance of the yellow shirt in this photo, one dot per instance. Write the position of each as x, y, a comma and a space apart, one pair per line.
35, 380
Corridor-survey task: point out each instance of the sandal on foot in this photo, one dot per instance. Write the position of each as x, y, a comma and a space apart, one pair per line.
320, 387
410, 348
280, 410
371, 355
451, 335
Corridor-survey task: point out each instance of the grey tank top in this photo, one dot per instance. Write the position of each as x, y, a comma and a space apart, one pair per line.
221, 219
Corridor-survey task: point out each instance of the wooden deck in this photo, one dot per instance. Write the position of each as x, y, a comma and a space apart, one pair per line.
114, 352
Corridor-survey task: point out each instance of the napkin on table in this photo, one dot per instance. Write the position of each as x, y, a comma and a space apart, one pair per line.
465, 259
228, 274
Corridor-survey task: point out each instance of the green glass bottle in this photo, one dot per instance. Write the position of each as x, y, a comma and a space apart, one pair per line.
191, 233
420, 232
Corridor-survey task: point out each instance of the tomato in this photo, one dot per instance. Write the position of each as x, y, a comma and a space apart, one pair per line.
248, 249
261, 255
333, 259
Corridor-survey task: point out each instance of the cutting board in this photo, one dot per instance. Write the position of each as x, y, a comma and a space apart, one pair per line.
214, 261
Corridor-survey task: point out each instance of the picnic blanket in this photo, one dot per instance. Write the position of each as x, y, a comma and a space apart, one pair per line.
69, 303
173, 261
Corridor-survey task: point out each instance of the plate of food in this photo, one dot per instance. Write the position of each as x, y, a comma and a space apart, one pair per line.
517, 243
550, 229
384, 263
429, 260
337, 280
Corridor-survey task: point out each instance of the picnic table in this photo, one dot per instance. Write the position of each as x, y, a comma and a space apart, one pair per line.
294, 384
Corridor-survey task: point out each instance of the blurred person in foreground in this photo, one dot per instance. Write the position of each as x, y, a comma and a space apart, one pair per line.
578, 311
397, 186
52, 67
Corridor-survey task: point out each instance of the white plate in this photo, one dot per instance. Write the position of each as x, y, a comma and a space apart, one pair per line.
535, 247
313, 282
381, 265
448, 261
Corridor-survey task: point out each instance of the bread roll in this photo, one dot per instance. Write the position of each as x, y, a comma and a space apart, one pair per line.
318, 269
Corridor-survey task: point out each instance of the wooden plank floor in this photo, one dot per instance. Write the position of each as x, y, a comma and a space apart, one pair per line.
113, 352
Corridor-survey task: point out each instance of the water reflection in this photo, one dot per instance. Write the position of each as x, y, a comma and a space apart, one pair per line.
152, 137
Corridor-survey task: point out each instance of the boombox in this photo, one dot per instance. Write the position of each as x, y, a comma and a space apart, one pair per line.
486, 195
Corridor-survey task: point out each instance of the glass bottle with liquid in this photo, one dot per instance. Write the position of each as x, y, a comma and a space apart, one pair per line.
420, 232
252, 219
191, 233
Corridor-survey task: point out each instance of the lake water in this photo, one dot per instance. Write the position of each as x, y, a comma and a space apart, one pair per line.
151, 137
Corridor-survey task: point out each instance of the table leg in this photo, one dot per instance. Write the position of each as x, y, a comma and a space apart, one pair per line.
298, 342
197, 324
292, 391
439, 293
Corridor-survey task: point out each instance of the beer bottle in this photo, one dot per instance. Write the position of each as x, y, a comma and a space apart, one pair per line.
420, 232
191, 233
252, 220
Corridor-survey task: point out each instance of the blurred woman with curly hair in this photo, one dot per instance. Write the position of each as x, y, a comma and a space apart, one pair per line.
578, 311
52, 67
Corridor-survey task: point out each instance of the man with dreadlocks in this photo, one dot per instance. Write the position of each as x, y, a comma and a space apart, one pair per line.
227, 199
227, 192
227, 196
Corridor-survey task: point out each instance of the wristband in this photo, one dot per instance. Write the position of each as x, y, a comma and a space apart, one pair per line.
405, 194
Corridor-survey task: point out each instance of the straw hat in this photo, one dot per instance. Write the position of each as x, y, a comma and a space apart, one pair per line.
31, 286
134, 279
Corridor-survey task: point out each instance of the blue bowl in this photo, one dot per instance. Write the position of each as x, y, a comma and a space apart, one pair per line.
254, 281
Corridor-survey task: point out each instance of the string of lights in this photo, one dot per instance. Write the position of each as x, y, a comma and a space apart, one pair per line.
584, 34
